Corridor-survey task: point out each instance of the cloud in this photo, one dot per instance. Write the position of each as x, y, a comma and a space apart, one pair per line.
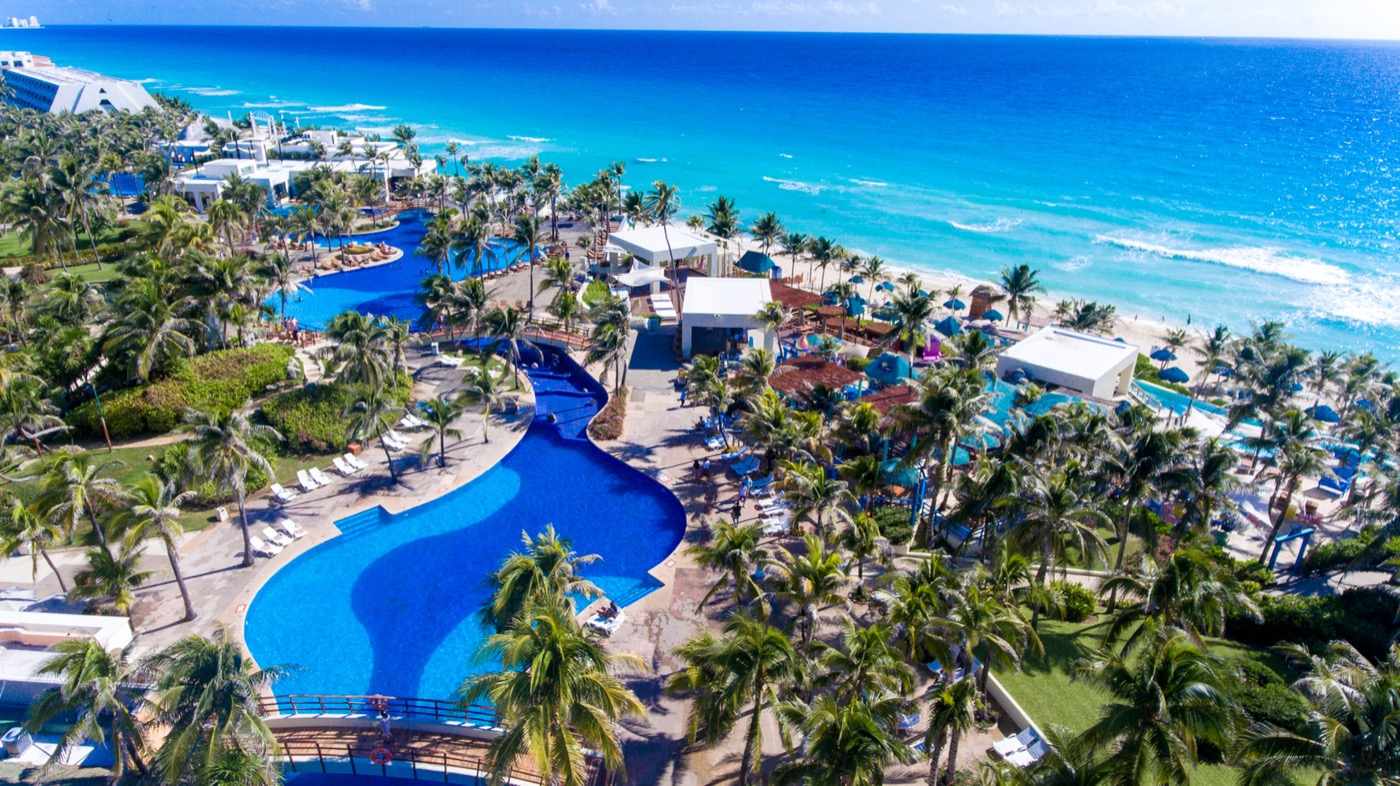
363, 6
601, 7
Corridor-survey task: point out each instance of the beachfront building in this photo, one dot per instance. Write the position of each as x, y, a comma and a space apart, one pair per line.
1088, 365
718, 312
205, 184
36, 83
657, 247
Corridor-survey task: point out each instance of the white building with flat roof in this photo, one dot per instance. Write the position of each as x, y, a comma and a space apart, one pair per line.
716, 310
36, 83
659, 245
1089, 365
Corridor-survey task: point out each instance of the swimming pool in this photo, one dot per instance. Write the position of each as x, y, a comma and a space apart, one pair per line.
1003, 399
390, 606
385, 290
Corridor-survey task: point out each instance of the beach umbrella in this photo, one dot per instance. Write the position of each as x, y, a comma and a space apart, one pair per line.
921, 293
1324, 413
1175, 374
857, 279
955, 304
885, 286
1366, 404
1297, 387
1120, 339
948, 326
993, 315
756, 262
1163, 354
888, 369
895, 475
1224, 371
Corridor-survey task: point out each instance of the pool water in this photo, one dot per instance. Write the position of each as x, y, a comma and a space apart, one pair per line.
385, 290
390, 606
1177, 402
1003, 399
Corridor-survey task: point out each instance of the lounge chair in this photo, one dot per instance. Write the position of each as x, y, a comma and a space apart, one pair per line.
760, 484
451, 361
354, 461
393, 443
1017, 742
343, 468
776, 526
714, 442
606, 625
1028, 756
319, 476
281, 494
306, 482
275, 537
263, 548
775, 507
398, 437
291, 528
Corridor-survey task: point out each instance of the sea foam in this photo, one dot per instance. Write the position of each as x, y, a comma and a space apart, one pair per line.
211, 92
348, 108
989, 227
784, 184
1268, 261
534, 140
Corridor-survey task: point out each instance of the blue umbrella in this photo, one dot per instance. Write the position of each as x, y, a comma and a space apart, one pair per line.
885, 286
1163, 354
993, 315
1120, 340
857, 280
1175, 374
948, 327
955, 304
892, 473
887, 369
921, 293
1223, 370
1324, 413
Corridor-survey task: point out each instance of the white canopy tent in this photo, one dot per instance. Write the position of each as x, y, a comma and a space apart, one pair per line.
657, 245
1089, 365
641, 276
723, 304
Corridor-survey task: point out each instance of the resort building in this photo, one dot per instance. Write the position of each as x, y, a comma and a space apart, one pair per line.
27, 639
718, 312
36, 83
30, 22
658, 245
1088, 365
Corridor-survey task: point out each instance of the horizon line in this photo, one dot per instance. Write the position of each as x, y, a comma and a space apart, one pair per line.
729, 31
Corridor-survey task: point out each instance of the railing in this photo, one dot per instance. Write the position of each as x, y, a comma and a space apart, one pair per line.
330, 705
313, 755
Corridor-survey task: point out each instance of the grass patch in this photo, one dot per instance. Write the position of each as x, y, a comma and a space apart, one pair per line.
12, 245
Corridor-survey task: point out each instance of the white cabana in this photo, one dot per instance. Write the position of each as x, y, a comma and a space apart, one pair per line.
715, 307
1088, 365
658, 245
641, 276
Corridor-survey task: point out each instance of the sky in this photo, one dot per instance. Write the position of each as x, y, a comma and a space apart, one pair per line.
1266, 18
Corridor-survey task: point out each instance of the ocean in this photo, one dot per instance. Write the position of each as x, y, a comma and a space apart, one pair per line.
1204, 180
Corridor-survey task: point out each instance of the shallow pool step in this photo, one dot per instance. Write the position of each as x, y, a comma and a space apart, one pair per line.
363, 522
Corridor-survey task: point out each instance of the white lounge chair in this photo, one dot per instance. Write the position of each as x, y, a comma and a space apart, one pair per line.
281, 494
394, 444
263, 548
306, 482
343, 468
275, 537
606, 625
319, 476
451, 361
1014, 743
291, 528
408, 422
354, 461
1028, 756
398, 437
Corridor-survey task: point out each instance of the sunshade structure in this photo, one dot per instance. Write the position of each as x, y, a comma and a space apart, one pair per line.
1175, 375
1163, 355
893, 474
885, 286
1086, 364
657, 245
756, 262
716, 307
1324, 413
857, 279
993, 315
641, 276
889, 369
948, 326
955, 304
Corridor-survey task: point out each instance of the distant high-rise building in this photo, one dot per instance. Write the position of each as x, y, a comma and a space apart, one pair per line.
36, 83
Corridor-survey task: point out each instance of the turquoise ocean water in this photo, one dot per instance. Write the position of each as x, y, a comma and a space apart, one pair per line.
1217, 180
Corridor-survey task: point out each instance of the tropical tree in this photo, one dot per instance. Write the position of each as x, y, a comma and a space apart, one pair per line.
557, 694
1020, 284
1056, 516
76, 486
844, 743
545, 573
811, 581
24, 528
440, 414
483, 390
372, 418
507, 325
95, 688
111, 577
155, 511
227, 449
527, 234
952, 711
1295, 460
767, 230
661, 204
737, 552
1188, 593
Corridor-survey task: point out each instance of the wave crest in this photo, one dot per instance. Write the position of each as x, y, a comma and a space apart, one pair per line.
211, 92
988, 228
534, 140
1257, 259
784, 184
348, 108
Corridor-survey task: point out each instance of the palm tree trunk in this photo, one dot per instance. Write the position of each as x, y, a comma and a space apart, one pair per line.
171, 552
98, 531
247, 534
1040, 574
935, 755
952, 768
746, 762
1278, 520
1122, 548
485, 424
62, 585
389, 458
442, 447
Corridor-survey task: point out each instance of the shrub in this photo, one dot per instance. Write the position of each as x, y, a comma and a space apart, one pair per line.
174, 460
1363, 616
596, 292
893, 521
1147, 370
1339, 553
1076, 602
312, 418
217, 383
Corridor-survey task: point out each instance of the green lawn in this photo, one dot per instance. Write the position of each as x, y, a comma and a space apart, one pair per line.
12, 245
1045, 689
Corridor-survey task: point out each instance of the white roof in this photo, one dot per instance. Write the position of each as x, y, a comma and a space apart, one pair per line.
640, 276
1077, 354
650, 243
725, 296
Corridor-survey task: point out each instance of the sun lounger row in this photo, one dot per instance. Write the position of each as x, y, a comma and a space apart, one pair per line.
274, 538
1021, 750
411, 421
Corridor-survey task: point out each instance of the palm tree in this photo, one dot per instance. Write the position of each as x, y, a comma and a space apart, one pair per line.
483, 389
814, 493
607, 342
794, 243
947, 410
911, 311
1020, 285
545, 573
373, 417
440, 413
1296, 459
226, 448
527, 234
96, 686
1211, 351
1163, 704
109, 577
844, 743
155, 510
749, 665
824, 251
982, 621
812, 581
75, 486
952, 711
1187, 593
661, 203
507, 325
767, 230
207, 695
1056, 516
557, 694
867, 664
737, 552
874, 270
24, 528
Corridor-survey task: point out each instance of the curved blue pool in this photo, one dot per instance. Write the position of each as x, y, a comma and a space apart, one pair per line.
386, 290
390, 605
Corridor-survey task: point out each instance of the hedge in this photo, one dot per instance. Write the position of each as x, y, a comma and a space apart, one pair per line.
1364, 616
1074, 602
217, 383
312, 418
893, 521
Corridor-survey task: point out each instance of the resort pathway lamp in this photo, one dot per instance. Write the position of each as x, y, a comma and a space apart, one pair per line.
101, 417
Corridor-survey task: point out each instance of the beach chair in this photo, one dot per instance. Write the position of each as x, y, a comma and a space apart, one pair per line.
306, 482
274, 537
760, 484
343, 468
262, 548
1017, 742
1029, 756
451, 361
392, 442
291, 528
281, 494
714, 442
606, 625
354, 461
319, 476
774, 506
773, 527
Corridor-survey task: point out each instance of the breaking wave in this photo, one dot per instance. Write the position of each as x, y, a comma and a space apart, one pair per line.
794, 185
348, 108
989, 227
1268, 261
